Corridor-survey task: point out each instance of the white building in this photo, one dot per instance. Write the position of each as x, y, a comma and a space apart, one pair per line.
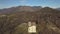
31, 27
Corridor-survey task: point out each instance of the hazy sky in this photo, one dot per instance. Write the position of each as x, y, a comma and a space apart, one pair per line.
11, 3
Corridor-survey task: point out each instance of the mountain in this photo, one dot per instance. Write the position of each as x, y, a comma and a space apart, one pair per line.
47, 20
58, 8
20, 8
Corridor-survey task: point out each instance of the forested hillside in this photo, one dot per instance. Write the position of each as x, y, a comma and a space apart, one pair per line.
14, 20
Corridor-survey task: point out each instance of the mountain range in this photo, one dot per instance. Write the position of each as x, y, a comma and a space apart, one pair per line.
20, 8
14, 20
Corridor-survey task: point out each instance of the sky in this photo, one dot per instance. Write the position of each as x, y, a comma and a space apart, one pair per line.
43, 3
